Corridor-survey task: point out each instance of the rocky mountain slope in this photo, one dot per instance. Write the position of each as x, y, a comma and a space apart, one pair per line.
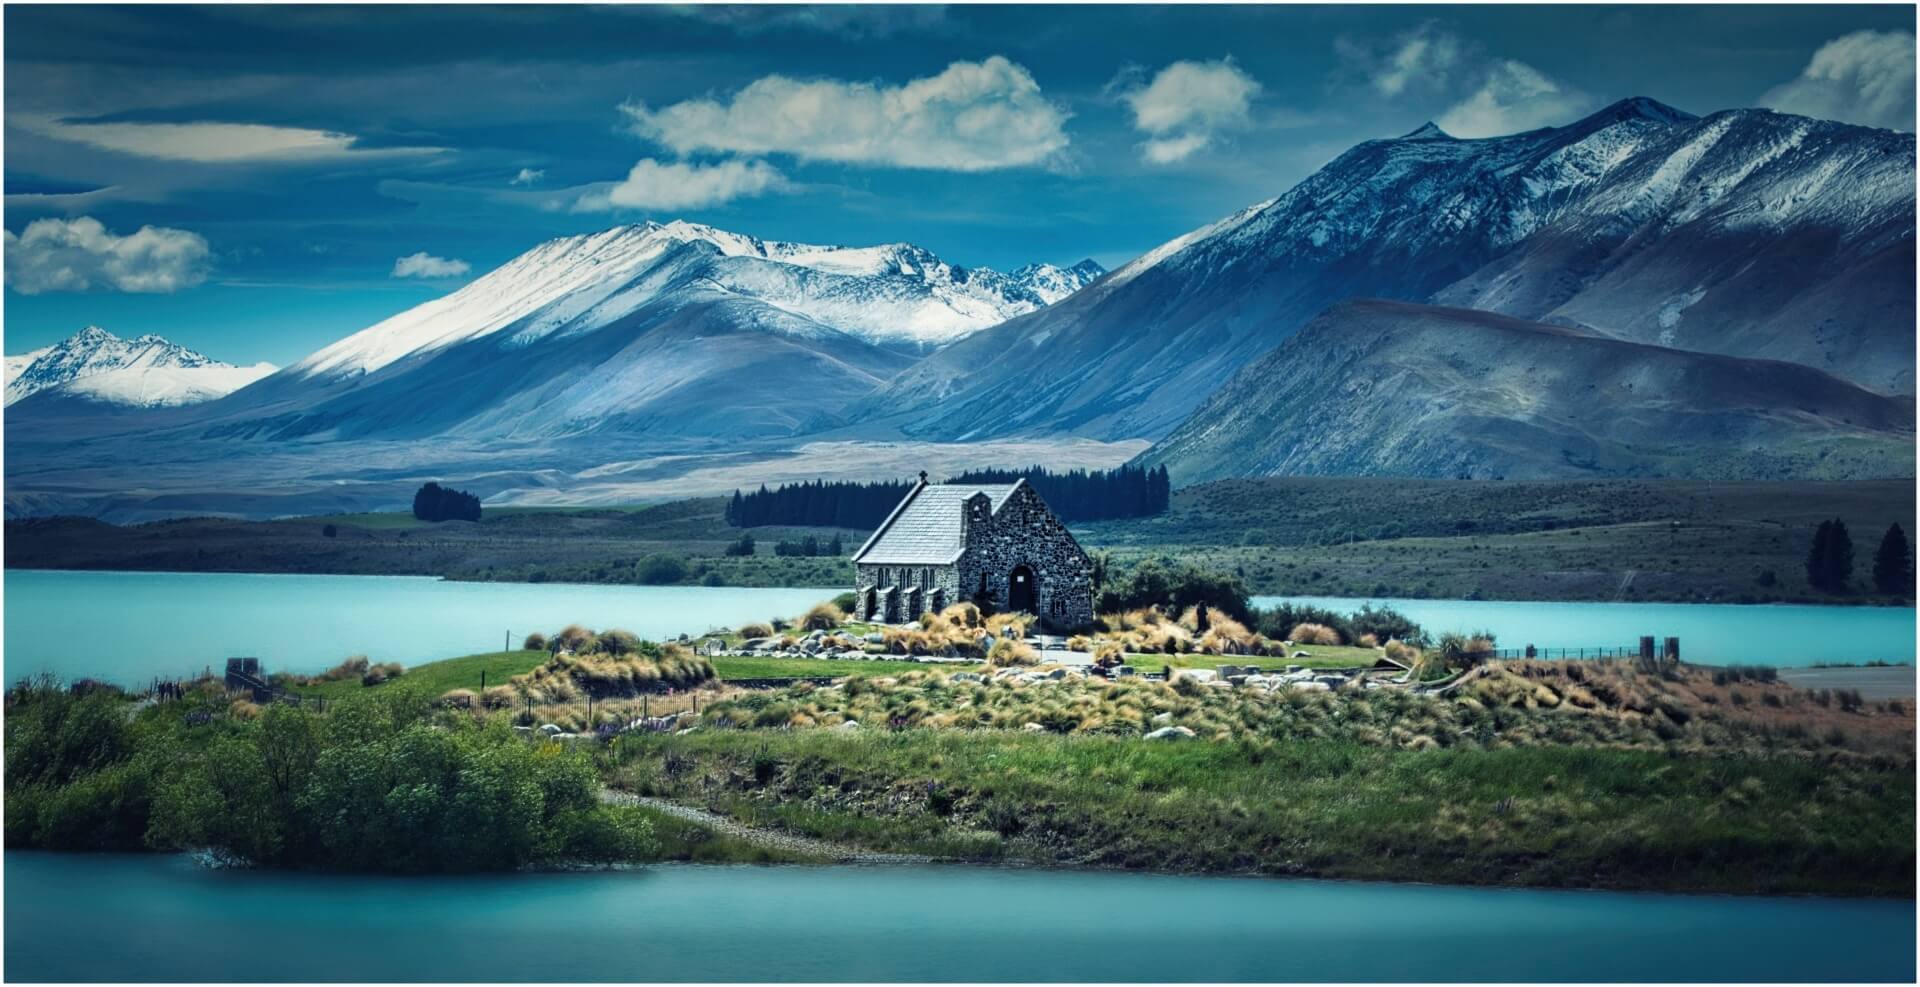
1747, 232
1378, 388
95, 366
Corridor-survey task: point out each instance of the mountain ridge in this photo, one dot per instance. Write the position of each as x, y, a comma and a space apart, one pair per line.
148, 371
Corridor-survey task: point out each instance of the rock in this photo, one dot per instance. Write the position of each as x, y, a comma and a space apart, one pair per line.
759, 644
1229, 671
1165, 733
1236, 679
1302, 654
1124, 671
1331, 681
968, 677
1293, 668
1311, 686
1058, 673
874, 638
848, 725
1196, 674
1034, 728
551, 729
1163, 718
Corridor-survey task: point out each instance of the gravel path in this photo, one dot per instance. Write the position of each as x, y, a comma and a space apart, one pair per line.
839, 853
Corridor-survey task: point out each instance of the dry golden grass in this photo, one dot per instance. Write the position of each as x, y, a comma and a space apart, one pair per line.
823, 617
1310, 633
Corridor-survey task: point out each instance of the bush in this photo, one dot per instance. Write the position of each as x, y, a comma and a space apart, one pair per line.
742, 546
1174, 587
1008, 652
660, 570
534, 642
380, 673
756, 630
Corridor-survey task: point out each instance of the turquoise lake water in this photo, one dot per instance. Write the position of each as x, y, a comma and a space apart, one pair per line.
1709, 633
114, 917
130, 626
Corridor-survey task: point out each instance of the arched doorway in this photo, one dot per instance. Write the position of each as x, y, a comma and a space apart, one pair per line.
870, 611
1021, 591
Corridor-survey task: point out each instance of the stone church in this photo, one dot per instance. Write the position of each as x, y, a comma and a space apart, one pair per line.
953, 543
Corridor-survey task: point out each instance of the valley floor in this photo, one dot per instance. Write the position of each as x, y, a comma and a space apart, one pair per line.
1680, 541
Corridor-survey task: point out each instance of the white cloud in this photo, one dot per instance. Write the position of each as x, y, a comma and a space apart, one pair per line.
528, 176
1865, 77
1512, 97
683, 185
1167, 150
973, 116
210, 143
1422, 58
1187, 104
426, 265
81, 255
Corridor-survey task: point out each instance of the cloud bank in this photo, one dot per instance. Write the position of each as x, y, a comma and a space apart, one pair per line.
1187, 104
211, 143
1865, 77
83, 255
973, 116
425, 265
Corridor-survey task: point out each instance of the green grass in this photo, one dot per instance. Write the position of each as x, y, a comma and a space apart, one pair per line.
1541, 816
688, 841
436, 677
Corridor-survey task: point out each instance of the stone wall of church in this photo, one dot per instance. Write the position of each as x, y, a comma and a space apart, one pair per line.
1025, 532
939, 588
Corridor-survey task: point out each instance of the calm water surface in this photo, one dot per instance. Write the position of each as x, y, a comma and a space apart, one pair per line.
1709, 633
111, 917
130, 626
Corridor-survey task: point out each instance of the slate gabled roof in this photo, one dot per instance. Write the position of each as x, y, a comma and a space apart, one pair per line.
927, 528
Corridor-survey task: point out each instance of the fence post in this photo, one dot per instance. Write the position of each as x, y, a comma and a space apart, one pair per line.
1673, 651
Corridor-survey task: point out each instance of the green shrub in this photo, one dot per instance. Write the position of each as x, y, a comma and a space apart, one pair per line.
660, 570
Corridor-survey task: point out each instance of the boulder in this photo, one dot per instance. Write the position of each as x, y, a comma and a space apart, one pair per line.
848, 725
1166, 733
1034, 728
1124, 671
874, 638
551, 729
1196, 674
968, 677
1229, 671
1163, 718
760, 643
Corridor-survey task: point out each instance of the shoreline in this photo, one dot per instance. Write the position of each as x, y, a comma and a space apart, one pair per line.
1311, 598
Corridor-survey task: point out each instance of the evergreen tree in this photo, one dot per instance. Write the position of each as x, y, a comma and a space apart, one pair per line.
1893, 564
1817, 555
1830, 561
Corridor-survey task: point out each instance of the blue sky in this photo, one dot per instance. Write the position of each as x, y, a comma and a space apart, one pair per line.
257, 182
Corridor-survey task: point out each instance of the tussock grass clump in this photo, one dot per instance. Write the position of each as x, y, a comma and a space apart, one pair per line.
1007, 652
244, 709
534, 642
754, 630
566, 678
382, 672
823, 617
1309, 633
459, 699
499, 697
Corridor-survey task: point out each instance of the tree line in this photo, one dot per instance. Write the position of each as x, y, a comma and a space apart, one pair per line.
1077, 495
1830, 560
434, 502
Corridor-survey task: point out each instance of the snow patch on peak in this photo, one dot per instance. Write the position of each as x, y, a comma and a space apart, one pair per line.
893, 294
147, 371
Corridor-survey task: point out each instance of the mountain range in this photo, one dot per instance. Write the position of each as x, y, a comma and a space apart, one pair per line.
1641, 292
94, 366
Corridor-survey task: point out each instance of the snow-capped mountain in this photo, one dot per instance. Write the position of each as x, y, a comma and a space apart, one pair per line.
1746, 232
895, 295
146, 372
674, 330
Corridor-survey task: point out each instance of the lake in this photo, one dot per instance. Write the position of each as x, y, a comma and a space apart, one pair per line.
131, 626
1785, 635
123, 917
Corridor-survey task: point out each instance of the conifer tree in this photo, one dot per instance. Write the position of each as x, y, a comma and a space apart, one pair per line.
1893, 564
